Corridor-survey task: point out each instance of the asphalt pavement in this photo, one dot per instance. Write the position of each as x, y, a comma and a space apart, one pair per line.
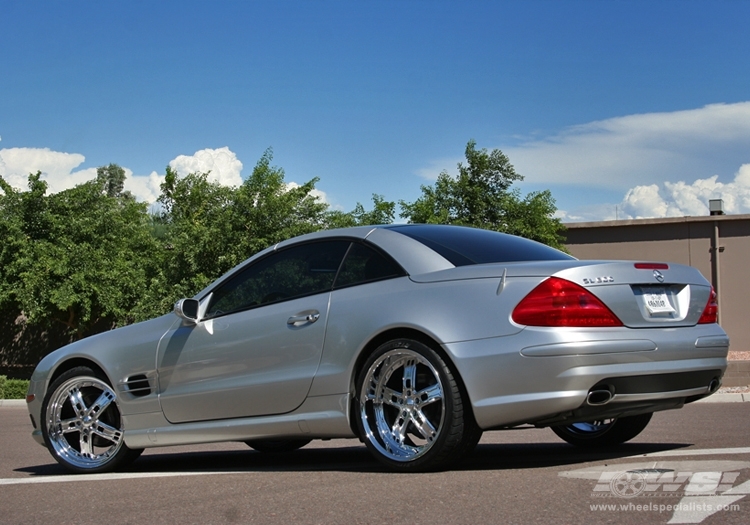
689, 466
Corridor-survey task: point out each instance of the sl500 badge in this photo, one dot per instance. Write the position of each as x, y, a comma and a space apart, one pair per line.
598, 280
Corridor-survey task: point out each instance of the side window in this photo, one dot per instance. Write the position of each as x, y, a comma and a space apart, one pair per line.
301, 270
363, 264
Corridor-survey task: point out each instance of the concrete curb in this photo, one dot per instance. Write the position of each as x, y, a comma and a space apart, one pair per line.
12, 402
726, 398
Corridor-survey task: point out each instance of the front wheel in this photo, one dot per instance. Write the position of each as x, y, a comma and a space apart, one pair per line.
603, 432
410, 410
82, 426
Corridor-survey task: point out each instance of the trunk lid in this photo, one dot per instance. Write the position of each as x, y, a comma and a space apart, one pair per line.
645, 295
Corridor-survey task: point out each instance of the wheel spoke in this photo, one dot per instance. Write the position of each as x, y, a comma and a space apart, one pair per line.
76, 402
390, 397
100, 405
430, 394
398, 429
87, 449
107, 432
73, 424
409, 380
423, 425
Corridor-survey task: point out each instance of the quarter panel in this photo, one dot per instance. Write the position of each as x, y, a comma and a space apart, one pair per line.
445, 311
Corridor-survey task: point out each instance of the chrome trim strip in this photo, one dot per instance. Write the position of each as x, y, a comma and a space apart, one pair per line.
712, 341
589, 348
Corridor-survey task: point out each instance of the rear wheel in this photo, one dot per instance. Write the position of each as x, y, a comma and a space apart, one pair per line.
82, 425
277, 445
603, 432
410, 409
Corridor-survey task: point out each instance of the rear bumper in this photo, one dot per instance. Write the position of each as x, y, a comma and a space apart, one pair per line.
549, 379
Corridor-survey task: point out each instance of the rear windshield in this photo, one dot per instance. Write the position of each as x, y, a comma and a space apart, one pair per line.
463, 246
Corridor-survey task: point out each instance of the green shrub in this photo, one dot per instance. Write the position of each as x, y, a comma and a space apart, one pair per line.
13, 388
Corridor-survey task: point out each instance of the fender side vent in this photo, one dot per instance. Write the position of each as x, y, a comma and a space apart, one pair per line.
138, 385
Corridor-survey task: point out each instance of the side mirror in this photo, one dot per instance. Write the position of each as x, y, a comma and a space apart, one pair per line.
187, 309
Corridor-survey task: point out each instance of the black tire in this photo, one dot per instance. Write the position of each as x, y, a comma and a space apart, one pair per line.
410, 410
605, 432
277, 446
85, 436
472, 436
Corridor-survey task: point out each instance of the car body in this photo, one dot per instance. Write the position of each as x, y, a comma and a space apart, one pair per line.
413, 338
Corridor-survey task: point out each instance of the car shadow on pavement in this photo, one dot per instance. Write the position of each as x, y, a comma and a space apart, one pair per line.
492, 456
506, 456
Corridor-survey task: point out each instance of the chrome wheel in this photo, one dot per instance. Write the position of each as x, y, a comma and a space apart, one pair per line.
591, 428
605, 431
82, 423
410, 409
402, 402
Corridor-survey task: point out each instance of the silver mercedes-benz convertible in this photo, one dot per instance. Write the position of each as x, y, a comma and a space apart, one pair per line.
413, 338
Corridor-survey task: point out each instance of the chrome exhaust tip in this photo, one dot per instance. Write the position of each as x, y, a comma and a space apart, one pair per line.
599, 397
713, 386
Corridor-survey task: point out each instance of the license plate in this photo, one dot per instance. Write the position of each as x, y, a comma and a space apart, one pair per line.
656, 301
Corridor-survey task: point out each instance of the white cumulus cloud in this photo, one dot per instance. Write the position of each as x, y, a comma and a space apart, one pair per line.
222, 163
318, 194
677, 199
144, 187
59, 170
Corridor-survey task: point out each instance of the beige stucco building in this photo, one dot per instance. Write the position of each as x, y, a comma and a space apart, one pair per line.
685, 240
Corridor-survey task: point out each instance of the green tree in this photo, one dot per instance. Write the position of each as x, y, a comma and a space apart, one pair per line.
205, 228
267, 210
112, 179
195, 242
77, 258
382, 212
481, 196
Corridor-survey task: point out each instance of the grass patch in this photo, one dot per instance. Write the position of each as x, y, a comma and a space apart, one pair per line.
13, 388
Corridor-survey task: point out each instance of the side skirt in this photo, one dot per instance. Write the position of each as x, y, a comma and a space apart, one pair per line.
318, 417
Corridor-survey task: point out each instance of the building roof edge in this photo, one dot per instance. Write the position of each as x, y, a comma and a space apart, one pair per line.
662, 220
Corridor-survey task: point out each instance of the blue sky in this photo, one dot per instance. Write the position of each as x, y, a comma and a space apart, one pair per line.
622, 109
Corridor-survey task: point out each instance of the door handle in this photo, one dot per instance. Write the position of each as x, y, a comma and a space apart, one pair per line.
305, 318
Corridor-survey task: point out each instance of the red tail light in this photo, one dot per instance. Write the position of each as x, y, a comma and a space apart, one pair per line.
711, 311
557, 302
